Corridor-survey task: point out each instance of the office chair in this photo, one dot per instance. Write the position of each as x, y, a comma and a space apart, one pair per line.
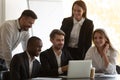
118, 69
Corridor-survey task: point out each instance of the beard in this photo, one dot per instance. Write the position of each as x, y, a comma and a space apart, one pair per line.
25, 28
58, 47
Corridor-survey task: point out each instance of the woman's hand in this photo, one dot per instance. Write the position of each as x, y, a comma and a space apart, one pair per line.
106, 47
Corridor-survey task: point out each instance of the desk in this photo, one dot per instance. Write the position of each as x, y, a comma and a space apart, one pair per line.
97, 78
115, 77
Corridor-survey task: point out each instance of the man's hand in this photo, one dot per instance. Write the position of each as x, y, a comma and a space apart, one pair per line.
64, 68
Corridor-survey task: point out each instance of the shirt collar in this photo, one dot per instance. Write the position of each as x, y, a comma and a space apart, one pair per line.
18, 24
80, 22
57, 55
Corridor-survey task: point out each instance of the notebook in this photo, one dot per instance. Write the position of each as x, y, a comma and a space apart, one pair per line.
79, 68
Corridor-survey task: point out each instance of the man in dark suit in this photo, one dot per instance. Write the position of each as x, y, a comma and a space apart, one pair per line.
55, 60
24, 65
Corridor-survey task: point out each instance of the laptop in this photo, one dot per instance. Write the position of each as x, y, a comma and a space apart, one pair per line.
79, 69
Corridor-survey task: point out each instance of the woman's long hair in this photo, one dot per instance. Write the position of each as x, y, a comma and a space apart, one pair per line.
82, 5
103, 33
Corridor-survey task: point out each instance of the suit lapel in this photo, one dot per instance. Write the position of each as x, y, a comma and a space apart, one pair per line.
33, 69
62, 59
26, 63
70, 26
53, 57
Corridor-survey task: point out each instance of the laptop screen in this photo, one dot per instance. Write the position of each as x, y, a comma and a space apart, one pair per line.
79, 68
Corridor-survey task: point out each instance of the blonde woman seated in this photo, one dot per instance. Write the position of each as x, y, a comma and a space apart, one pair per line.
103, 55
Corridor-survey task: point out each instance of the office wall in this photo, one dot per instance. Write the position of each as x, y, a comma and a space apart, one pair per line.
11, 9
14, 8
50, 15
1, 11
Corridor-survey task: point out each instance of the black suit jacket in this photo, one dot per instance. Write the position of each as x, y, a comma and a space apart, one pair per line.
85, 35
49, 62
19, 67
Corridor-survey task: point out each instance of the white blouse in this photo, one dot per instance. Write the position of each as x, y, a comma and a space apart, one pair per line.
98, 62
74, 36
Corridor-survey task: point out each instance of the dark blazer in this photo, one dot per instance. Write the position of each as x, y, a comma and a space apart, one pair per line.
49, 62
19, 67
85, 35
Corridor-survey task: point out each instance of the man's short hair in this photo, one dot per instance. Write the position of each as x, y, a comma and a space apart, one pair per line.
29, 13
31, 40
56, 31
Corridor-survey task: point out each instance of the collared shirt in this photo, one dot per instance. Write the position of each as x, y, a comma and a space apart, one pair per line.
10, 37
74, 36
98, 61
58, 58
30, 63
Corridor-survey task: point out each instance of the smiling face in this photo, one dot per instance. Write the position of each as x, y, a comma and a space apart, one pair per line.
26, 23
77, 12
58, 41
34, 47
99, 39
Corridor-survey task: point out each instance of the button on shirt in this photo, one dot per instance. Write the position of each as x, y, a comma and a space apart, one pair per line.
74, 36
10, 37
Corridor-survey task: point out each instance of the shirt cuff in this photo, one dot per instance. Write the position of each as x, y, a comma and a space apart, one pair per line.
111, 69
60, 70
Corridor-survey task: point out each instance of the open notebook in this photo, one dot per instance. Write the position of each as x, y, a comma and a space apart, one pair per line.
79, 69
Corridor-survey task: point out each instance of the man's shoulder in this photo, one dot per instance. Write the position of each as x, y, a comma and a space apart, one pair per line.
19, 55
47, 51
10, 22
